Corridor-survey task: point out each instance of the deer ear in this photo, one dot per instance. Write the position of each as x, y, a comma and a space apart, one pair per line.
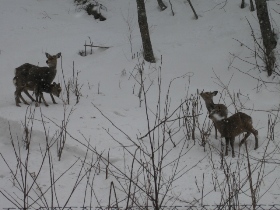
58, 55
54, 83
215, 93
201, 92
47, 55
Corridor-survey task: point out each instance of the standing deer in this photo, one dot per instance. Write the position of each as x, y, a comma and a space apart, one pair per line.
233, 126
208, 98
28, 76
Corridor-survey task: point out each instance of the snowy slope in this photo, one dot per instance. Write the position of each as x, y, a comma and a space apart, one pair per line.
199, 48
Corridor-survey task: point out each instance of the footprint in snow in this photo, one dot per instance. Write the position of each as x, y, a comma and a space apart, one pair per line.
119, 114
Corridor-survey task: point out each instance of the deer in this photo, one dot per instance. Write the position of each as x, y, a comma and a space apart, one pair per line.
233, 126
38, 88
208, 99
29, 73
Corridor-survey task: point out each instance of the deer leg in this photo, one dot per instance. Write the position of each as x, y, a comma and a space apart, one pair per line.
232, 146
255, 133
37, 104
244, 139
26, 93
42, 97
36, 95
53, 98
215, 131
222, 147
227, 145
23, 100
17, 97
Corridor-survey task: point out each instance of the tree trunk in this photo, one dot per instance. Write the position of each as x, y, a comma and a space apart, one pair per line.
161, 5
252, 8
242, 6
144, 30
269, 40
195, 15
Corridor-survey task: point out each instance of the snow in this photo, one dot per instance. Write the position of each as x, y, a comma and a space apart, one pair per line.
217, 117
206, 51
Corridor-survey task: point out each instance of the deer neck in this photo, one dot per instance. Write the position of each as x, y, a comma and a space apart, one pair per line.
53, 68
53, 73
220, 124
209, 105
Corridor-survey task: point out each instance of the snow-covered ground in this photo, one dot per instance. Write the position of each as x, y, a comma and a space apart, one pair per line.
206, 51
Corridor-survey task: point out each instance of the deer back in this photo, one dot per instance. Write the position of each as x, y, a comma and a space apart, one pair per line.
23, 69
41, 74
233, 125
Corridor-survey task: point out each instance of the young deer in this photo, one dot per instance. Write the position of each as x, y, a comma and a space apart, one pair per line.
208, 98
29, 73
53, 88
233, 126
47, 88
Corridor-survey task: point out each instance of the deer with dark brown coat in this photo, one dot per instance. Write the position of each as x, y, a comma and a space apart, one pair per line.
233, 126
39, 88
208, 98
37, 79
